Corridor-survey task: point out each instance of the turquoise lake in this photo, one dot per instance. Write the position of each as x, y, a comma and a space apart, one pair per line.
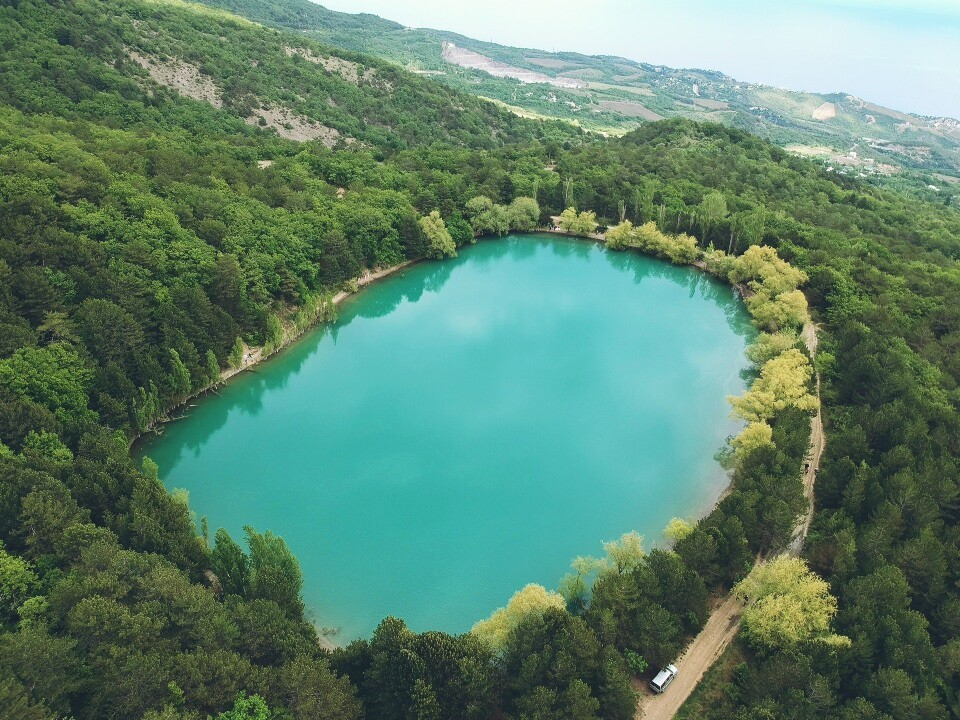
469, 426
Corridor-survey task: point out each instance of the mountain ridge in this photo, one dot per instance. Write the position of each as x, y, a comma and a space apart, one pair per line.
612, 94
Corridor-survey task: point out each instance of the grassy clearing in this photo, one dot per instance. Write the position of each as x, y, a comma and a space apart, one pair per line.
713, 688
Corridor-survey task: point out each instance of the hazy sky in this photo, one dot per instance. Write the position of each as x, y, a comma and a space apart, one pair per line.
901, 53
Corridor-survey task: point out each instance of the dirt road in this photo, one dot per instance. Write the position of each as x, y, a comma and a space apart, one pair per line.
720, 629
724, 622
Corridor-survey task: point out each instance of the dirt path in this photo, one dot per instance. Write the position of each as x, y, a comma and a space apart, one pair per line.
720, 629
812, 462
724, 621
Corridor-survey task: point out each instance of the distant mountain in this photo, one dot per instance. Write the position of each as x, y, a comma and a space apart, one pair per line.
613, 94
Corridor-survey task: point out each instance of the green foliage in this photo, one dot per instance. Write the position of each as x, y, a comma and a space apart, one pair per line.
554, 666
531, 600
783, 383
677, 529
400, 674
274, 572
247, 708
17, 582
230, 564
636, 662
53, 377
786, 605
140, 240
583, 223
439, 238
235, 359
524, 214
680, 249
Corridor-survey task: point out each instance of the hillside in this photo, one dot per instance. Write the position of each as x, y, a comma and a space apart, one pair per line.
614, 94
145, 56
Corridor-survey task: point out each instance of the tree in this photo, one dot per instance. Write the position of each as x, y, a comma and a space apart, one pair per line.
235, 359
524, 214
179, 377
230, 564
767, 346
423, 702
583, 223
787, 604
311, 690
620, 236
488, 218
755, 435
17, 582
783, 383
50, 666
46, 512
763, 269
247, 708
274, 571
624, 554
713, 209
460, 230
110, 333
441, 244
55, 377
787, 310
531, 600
677, 529
46, 446
657, 635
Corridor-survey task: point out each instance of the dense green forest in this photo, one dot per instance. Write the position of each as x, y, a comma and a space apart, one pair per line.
147, 235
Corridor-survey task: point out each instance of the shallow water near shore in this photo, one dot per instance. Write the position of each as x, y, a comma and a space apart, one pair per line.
470, 426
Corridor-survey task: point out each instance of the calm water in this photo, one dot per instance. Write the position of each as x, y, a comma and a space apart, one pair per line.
470, 426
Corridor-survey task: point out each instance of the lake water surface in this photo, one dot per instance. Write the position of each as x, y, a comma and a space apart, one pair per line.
470, 426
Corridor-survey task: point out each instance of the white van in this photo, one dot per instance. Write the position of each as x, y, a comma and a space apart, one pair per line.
663, 678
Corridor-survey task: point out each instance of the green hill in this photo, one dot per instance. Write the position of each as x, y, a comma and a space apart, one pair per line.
614, 94
123, 64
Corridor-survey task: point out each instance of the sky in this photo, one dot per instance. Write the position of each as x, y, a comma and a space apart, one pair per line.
904, 54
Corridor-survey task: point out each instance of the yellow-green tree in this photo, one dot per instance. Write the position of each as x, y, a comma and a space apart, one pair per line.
575, 585
624, 554
782, 383
755, 435
620, 236
524, 214
438, 237
763, 269
681, 249
787, 604
713, 209
788, 309
718, 263
583, 223
677, 529
769, 345
531, 599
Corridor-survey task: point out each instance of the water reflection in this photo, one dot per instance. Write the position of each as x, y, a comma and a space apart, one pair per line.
245, 394
697, 283
424, 466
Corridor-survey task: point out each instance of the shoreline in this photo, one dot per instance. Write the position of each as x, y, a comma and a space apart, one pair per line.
254, 355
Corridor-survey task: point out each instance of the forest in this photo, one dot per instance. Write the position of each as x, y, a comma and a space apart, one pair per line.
147, 237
